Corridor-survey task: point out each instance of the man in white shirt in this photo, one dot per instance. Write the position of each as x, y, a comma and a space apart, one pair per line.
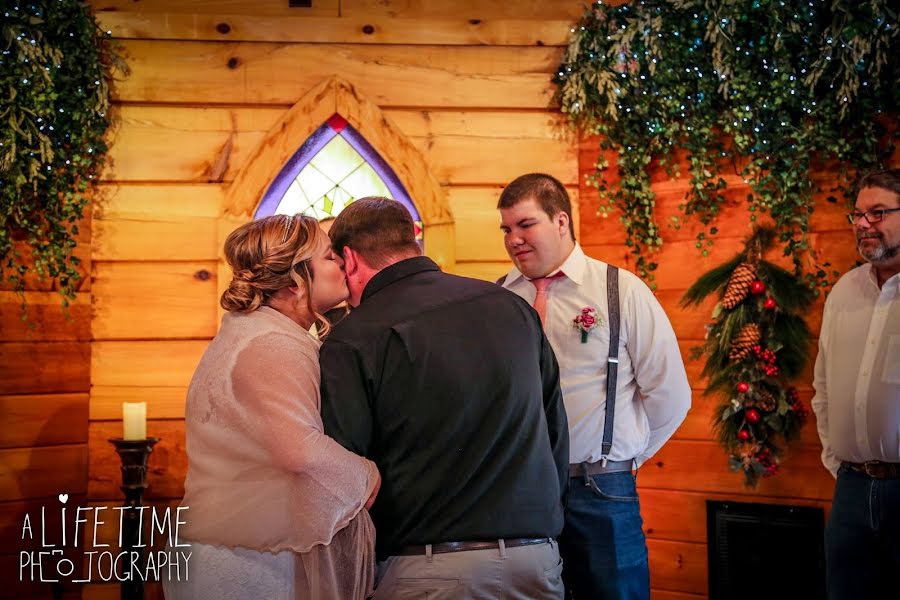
857, 401
603, 547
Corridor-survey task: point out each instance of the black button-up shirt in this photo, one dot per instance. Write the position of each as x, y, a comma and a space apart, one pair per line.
449, 385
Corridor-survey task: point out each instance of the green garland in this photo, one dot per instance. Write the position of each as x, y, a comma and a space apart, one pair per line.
760, 409
762, 88
56, 67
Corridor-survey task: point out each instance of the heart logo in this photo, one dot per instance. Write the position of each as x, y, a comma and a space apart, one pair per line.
63, 498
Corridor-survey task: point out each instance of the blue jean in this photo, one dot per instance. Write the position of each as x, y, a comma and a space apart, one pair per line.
862, 537
602, 544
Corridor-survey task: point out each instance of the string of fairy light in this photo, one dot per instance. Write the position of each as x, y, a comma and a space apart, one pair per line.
770, 80
56, 66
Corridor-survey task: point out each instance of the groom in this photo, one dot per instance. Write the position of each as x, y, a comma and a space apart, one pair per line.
451, 387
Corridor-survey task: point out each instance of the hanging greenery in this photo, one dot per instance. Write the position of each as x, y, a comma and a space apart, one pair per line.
56, 68
760, 88
756, 343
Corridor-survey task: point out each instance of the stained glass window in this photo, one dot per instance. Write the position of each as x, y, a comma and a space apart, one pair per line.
332, 168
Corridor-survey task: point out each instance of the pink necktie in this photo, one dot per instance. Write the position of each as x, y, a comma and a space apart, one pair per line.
542, 284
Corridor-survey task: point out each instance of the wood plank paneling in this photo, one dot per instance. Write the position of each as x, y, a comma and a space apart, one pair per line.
166, 466
471, 9
154, 300
461, 147
837, 247
33, 280
44, 367
46, 319
268, 8
690, 323
698, 423
678, 515
678, 566
670, 595
162, 402
43, 420
488, 271
13, 538
157, 222
43, 472
13, 589
362, 29
263, 73
168, 363
703, 467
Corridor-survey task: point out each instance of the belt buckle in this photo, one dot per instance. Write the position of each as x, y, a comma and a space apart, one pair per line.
873, 469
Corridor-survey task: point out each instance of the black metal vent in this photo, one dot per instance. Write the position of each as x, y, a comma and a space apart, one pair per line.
300, 3
765, 551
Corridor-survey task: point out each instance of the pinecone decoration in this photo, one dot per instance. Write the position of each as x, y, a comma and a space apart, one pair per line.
766, 401
739, 284
743, 342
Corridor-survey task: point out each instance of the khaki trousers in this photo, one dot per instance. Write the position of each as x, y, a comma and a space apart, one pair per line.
521, 573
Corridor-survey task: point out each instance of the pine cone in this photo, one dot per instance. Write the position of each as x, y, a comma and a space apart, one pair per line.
739, 284
766, 401
743, 342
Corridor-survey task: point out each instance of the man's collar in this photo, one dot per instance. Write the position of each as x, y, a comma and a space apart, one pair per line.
397, 271
573, 268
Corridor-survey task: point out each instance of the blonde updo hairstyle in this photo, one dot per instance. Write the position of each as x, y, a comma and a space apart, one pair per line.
267, 255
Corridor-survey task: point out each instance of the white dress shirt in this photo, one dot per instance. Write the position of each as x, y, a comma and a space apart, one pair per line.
857, 376
652, 391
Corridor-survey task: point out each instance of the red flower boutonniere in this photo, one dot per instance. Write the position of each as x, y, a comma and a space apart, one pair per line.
587, 320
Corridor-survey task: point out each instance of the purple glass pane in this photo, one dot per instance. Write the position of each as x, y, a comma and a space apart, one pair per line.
292, 168
311, 147
398, 192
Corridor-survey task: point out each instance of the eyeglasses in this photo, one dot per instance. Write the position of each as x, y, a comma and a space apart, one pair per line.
872, 216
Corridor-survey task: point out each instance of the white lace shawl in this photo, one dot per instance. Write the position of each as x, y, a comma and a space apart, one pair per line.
261, 472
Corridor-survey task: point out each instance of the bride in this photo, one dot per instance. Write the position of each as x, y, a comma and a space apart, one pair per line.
276, 506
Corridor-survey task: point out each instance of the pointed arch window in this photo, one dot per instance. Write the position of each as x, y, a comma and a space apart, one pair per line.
332, 168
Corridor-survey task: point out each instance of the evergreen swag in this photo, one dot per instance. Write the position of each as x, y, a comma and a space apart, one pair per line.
760, 87
757, 342
56, 67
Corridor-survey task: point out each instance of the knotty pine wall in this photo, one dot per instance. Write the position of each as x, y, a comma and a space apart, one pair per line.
692, 468
469, 83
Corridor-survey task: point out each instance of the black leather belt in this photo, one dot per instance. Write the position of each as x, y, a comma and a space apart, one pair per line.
876, 469
445, 547
598, 468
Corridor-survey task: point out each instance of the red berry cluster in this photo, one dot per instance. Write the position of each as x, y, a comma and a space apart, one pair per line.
765, 458
793, 398
768, 359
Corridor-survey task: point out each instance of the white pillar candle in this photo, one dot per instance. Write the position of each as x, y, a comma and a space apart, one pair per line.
134, 420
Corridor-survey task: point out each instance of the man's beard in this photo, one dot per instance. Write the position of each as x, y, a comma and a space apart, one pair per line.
877, 254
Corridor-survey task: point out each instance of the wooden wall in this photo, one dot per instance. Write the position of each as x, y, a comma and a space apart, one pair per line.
469, 83
44, 385
692, 468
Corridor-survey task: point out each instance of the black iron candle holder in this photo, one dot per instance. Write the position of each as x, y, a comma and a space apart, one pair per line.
134, 455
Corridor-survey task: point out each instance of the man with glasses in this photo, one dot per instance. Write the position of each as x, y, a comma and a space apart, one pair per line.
857, 401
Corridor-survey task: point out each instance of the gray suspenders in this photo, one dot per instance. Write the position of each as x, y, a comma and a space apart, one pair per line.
612, 362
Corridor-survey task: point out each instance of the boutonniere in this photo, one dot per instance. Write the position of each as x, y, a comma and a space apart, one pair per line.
586, 320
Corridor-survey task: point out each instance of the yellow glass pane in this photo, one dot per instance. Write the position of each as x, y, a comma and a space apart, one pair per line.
364, 181
337, 159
